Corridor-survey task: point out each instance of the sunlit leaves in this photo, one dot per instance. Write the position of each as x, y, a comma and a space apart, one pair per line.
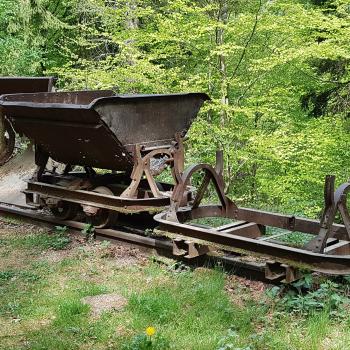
265, 68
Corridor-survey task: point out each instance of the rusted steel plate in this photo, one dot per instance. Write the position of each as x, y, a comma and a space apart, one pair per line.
287, 222
95, 128
238, 235
66, 128
251, 270
14, 85
151, 120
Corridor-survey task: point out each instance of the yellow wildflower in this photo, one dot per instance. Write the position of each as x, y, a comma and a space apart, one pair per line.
150, 331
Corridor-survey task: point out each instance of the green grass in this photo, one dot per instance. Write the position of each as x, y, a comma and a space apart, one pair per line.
212, 221
10, 220
294, 238
197, 309
41, 291
41, 241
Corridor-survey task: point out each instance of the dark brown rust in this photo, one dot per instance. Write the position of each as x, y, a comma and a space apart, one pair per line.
334, 201
15, 85
67, 129
57, 191
139, 136
11, 85
233, 263
325, 263
168, 155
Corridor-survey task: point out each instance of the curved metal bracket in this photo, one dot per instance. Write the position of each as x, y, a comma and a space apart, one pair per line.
210, 174
142, 166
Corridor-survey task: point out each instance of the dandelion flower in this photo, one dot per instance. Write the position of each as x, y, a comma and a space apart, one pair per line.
150, 331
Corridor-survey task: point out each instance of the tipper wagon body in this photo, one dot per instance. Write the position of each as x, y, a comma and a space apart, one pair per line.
111, 148
97, 128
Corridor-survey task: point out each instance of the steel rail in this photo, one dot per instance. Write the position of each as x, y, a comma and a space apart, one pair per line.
232, 263
324, 263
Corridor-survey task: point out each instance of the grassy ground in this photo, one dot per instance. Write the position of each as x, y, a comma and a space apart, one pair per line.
43, 279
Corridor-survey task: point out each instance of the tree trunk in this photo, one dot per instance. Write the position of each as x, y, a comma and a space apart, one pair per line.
132, 22
220, 40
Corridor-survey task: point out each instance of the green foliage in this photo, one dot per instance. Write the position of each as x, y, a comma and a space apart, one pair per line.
13, 221
43, 298
61, 229
88, 231
196, 303
228, 341
279, 97
304, 298
232, 341
161, 308
58, 241
41, 241
26, 276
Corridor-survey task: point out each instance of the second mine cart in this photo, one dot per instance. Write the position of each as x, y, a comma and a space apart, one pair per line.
14, 85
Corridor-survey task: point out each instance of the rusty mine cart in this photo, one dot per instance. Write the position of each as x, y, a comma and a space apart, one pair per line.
129, 138
98, 156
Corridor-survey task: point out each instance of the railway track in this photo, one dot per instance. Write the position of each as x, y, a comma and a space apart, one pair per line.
97, 159
232, 263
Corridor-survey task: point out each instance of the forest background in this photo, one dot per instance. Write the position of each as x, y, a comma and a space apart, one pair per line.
277, 72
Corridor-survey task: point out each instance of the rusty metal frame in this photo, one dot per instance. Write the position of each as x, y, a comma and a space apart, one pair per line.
142, 166
92, 198
129, 200
335, 201
246, 233
232, 262
128, 147
84, 118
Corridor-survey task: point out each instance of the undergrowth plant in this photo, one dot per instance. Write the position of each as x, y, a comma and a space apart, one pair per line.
306, 296
88, 231
60, 240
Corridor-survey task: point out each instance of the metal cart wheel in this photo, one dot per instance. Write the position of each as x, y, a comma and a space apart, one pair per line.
65, 210
103, 218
